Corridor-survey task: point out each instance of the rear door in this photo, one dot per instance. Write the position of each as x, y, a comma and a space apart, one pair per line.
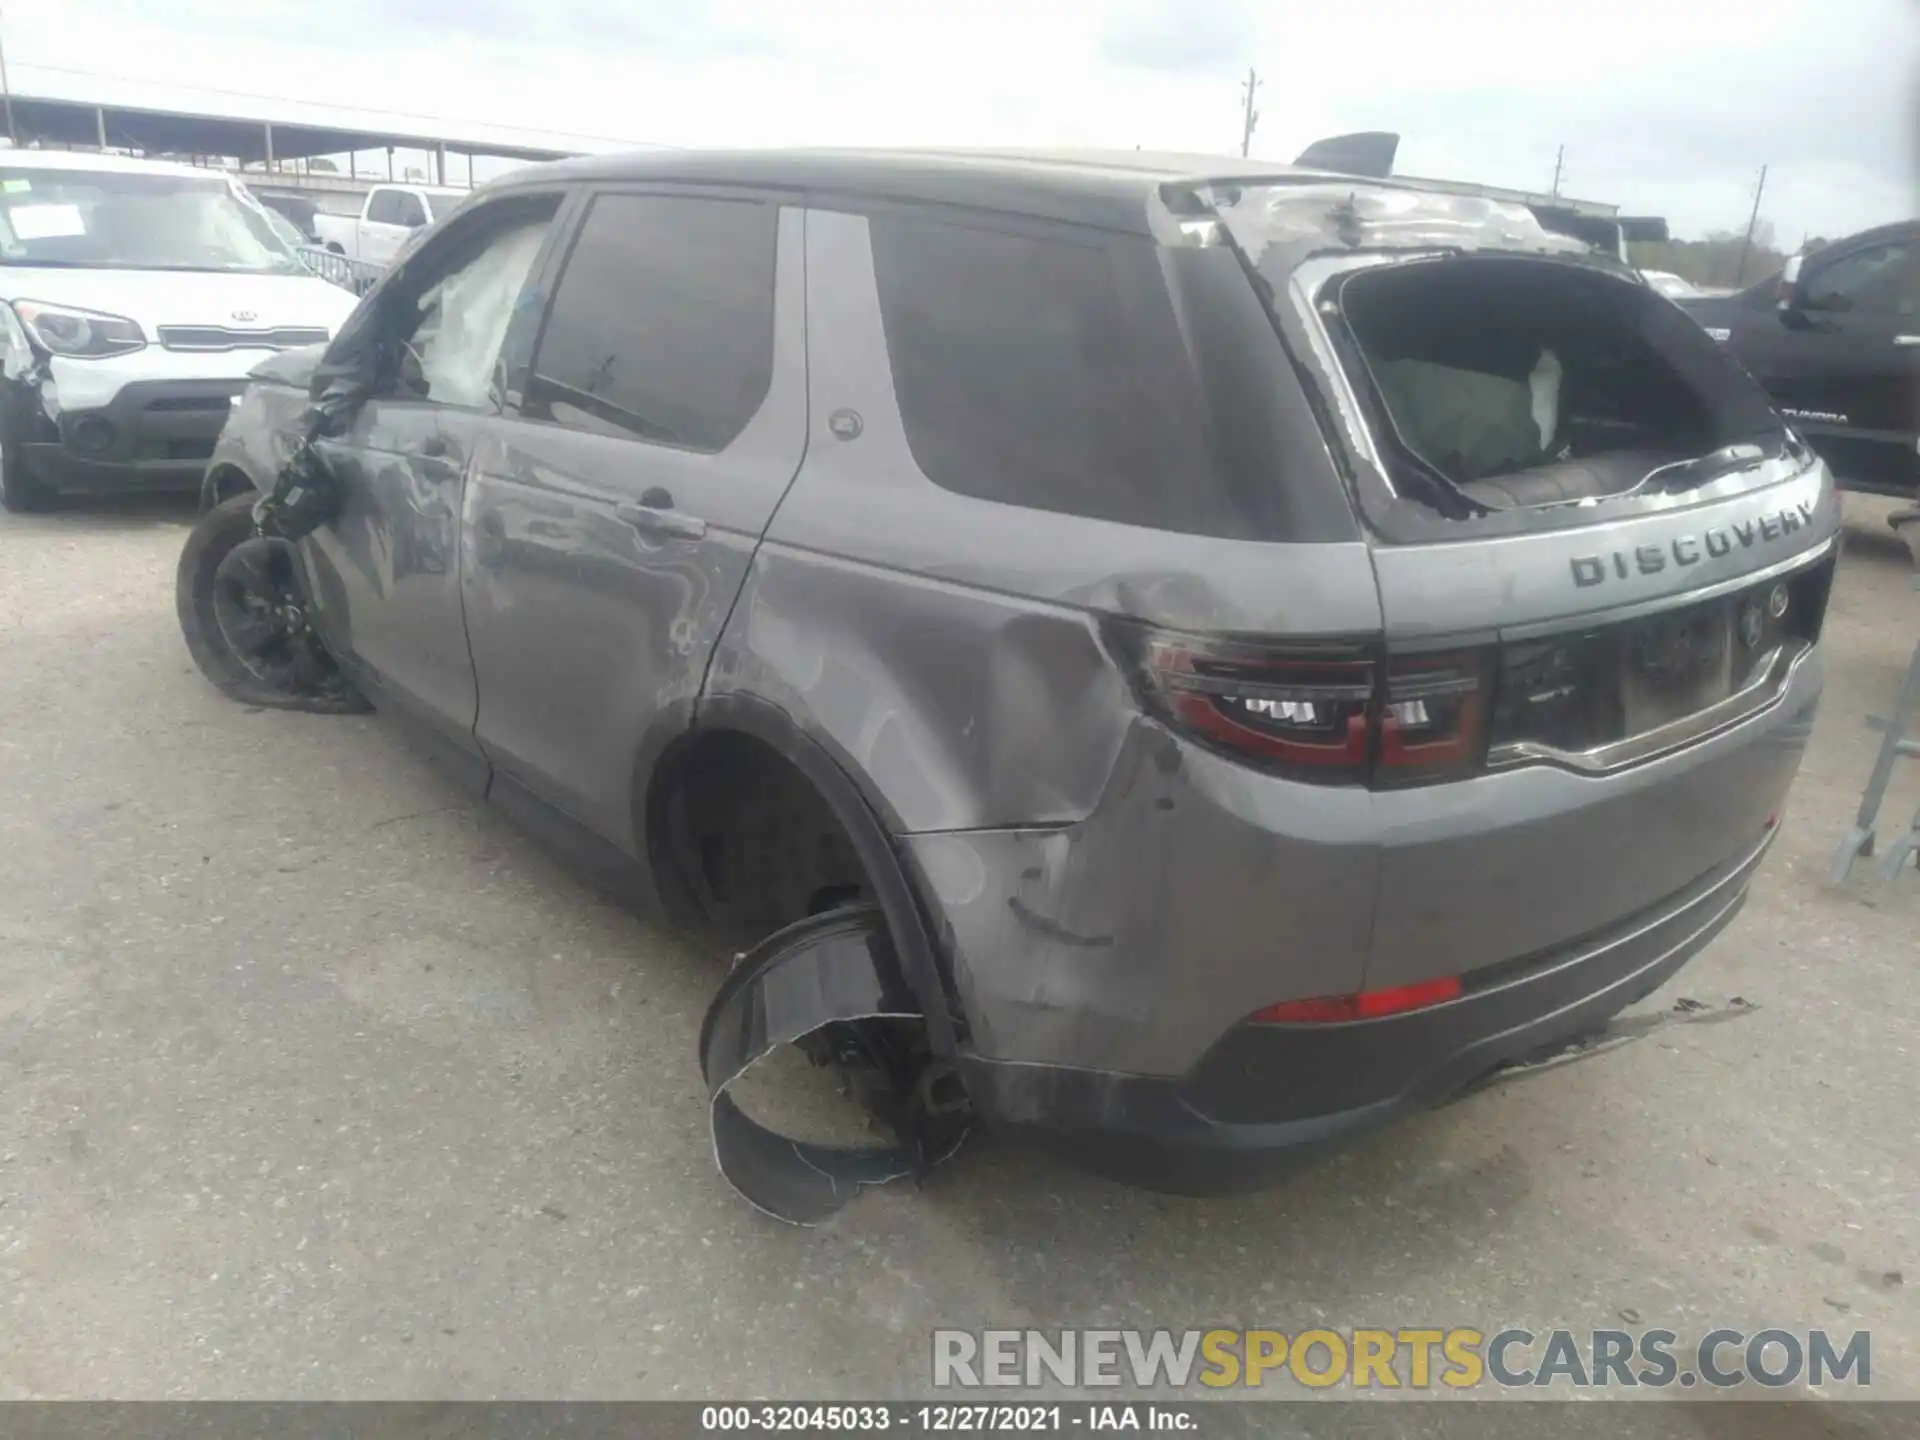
1844, 363
611, 517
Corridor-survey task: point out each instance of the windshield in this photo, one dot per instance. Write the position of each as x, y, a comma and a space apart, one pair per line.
288, 233
109, 220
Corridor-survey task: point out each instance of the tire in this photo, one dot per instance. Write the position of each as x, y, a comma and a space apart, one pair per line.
21, 491
219, 531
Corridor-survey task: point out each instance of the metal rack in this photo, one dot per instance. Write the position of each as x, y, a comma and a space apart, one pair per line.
1899, 740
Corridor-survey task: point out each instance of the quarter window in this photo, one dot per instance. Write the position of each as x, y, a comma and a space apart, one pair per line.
1047, 372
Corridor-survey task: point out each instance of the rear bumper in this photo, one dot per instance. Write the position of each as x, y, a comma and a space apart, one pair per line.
1199, 892
1267, 1097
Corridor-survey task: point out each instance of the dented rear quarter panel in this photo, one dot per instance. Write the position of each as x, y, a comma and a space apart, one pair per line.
1108, 894
1091, 876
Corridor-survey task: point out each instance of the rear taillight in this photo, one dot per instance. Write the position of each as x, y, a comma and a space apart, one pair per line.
1298, 710
1337, 714
1433, 725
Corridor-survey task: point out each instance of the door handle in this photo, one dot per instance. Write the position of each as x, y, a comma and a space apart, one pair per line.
655, 515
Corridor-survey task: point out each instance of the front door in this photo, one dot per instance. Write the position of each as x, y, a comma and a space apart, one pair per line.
611, 520
387, 568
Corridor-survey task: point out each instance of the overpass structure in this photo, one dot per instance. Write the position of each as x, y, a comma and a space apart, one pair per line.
275, 145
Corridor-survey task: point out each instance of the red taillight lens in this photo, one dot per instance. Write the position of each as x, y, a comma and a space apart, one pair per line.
1332, 714
1433, 725
1367, 1005
1292, 709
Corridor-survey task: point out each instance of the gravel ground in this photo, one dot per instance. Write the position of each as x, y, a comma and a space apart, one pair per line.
324, 1082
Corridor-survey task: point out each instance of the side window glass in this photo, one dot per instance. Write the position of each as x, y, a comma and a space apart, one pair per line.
1016, 369
451, 340
409, 210
1873, 281
662, 324
382, 207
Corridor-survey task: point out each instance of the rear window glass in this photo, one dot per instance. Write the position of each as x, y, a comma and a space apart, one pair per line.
1049, 371
1518, 383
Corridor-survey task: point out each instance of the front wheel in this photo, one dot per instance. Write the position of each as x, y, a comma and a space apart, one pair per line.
244, 617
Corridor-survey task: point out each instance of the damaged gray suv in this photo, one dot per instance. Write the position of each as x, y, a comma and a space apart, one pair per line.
1220, 657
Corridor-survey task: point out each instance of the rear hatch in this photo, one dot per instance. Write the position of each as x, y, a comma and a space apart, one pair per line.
1602, 562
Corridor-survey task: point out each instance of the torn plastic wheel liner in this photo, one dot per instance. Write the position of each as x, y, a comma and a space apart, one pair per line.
830, 984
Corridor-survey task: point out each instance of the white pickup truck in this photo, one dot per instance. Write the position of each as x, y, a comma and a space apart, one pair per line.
386, 222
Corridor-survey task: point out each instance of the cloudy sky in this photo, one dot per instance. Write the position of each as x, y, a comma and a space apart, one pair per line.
1665, 108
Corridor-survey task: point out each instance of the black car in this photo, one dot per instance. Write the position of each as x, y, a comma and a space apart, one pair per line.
1836, 342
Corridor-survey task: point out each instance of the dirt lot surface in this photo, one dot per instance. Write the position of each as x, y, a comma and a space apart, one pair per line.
323, 1081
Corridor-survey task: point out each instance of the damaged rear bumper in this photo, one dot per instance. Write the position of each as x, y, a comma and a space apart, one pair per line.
1267, 1098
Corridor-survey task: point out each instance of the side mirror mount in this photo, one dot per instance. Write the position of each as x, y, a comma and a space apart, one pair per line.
1791, 296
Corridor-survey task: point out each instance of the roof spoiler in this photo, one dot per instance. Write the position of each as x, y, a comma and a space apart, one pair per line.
1365, 152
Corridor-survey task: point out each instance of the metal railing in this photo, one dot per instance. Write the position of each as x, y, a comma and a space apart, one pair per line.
355, 275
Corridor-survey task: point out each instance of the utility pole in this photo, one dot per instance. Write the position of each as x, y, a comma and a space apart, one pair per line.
1252, 115
1753, 220
1559, 164
6, 94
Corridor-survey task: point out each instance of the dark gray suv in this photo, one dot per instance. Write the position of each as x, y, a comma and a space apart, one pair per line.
1274, 646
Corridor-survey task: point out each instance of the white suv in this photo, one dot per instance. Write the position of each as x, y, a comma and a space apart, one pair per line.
134, 298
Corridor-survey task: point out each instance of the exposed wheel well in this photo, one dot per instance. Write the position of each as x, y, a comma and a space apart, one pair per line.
228, 481
751, 836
